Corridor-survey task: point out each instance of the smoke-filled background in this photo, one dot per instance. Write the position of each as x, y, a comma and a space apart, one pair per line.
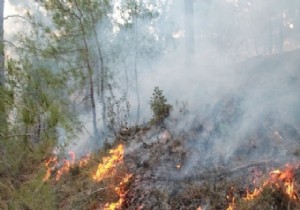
239, 82
153, 104
233, 65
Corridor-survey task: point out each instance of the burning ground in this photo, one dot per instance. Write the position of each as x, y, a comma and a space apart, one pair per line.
227, 154
157, 168
163, 167
238, 150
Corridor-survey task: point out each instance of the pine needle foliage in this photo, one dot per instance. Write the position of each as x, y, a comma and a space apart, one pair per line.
159, 106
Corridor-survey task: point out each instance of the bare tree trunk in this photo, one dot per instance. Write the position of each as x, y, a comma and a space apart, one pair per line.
189, 27
102, 70
2, 79
136, 72
3, 120
90, 73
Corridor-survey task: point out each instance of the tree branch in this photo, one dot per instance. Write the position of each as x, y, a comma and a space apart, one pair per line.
16, 16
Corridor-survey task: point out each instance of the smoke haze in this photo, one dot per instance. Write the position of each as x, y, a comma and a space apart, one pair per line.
239, 88
243, 77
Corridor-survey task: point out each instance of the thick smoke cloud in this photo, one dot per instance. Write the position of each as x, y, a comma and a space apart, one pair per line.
240, 87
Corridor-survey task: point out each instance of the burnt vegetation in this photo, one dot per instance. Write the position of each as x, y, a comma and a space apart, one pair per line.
80, 131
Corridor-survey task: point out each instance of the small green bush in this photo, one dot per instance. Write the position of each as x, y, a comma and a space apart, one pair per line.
159, 106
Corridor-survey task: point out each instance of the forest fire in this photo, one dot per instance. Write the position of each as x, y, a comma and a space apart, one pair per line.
107, 167
52, 165
232, 205
84, 160
285, 179
66, 165
254, 194
121, 191
230, 198
281, 180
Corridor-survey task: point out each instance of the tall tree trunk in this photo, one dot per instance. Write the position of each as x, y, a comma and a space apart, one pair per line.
136, 73
189, 27
1, 44
102, 70
90, 72
3, 122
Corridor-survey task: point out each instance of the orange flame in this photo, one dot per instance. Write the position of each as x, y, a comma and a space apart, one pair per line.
121, 192
64, 169
254, 194
287, 178
232, 205
278, 178
230, 196
107, 167
52, 163
84, 160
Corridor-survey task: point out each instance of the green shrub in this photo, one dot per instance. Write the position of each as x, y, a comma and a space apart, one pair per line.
159, 106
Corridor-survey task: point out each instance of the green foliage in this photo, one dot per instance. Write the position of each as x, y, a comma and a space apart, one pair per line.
34, 194
41, 90
159, 106
22, 174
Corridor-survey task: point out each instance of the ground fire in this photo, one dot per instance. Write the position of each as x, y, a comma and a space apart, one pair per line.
282, 179
278, 180
109, 163
57, 168
146, 177
122, 192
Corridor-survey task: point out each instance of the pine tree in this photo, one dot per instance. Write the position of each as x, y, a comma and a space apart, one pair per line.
159, 106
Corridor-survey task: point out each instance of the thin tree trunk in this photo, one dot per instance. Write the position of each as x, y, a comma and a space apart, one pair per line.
2, 79
3, 120
136, 74
90, 74
102, 70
